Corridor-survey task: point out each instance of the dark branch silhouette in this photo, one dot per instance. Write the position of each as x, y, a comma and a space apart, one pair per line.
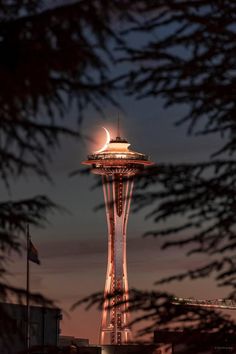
153, 310
51, 59
189, 60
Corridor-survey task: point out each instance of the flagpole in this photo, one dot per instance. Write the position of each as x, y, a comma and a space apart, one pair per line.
27, 292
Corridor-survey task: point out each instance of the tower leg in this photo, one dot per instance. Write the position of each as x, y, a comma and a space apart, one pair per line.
115, 318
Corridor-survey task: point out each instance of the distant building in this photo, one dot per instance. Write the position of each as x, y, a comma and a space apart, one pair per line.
93, 349
108, 349
65, 341
44, 327
186, 342
130, 349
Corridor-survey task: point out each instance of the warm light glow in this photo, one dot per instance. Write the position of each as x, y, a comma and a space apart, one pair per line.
107, 142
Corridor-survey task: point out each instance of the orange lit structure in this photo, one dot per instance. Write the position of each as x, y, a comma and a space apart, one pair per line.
228, 304
117, 164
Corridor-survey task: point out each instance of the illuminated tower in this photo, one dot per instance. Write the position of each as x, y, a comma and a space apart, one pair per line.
117, 164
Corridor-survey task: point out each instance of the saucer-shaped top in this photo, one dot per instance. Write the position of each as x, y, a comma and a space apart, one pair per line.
117, 151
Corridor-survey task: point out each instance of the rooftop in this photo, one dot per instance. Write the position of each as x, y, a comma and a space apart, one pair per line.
117, 149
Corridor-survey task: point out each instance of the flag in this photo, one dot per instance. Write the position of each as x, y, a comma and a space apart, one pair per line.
33, 253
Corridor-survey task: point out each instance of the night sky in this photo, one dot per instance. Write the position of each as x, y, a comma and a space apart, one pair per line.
72, 247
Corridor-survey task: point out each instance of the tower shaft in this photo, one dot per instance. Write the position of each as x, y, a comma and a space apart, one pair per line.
117, 194
117, 164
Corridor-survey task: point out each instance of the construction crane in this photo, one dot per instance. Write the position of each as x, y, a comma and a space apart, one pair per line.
215, 303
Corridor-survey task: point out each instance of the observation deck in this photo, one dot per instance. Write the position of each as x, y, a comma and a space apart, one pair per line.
119, 158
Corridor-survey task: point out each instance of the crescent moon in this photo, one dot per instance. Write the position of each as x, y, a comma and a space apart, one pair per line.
107, 142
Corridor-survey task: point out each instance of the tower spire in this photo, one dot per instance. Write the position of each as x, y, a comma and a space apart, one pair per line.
118, 125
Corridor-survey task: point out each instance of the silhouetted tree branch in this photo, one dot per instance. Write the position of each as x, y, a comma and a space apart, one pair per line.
188, 59
50, 60
154, 310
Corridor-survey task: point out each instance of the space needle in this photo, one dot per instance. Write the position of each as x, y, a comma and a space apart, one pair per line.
117, 164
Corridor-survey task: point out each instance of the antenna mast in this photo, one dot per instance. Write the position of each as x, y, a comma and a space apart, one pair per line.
118, 126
